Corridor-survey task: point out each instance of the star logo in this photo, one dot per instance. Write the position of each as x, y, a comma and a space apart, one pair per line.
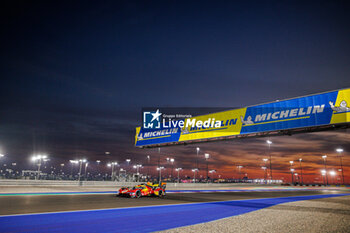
156, 115
151, 120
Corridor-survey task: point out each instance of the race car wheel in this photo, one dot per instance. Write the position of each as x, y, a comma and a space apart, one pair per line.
138, 194
161, 194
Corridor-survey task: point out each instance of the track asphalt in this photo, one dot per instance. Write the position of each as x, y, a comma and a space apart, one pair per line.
141, 219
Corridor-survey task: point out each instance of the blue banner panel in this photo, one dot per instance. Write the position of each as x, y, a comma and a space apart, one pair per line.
289, 114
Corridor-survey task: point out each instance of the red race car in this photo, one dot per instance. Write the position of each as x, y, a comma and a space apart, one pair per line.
141, 190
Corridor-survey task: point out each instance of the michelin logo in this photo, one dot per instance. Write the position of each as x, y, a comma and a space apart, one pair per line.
286, 114
342, 107
248, 121
184, 130
158, 133
151, 120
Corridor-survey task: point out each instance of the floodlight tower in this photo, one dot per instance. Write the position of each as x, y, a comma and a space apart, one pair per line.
340, 150
269, 154
324, 157
178, 174
81, 161
301, 171
207, 156
39, 159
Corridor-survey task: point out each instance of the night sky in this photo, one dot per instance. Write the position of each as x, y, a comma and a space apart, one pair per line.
75, 75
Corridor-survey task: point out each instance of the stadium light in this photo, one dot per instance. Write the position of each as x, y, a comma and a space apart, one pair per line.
72, 162
340, 150
81, 161
128, 161
301, 171
197, 151
265, 161
239, 172
292, 171
178, 174
137, 167
86, 165
325, 166
148, 166
323, 172
160, 173
206, 156
211, 173
172, 160
194, 174
332, 173
112, 164
265, 175
269, 154
38, 158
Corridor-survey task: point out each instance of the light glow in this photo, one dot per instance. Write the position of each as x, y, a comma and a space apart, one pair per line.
339, 150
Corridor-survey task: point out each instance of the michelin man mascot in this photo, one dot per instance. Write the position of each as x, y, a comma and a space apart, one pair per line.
342, 107
248, 121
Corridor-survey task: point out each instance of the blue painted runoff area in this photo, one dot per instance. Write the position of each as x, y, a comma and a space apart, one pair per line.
140, 219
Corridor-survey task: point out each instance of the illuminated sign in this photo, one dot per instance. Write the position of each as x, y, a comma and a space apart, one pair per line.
330, 108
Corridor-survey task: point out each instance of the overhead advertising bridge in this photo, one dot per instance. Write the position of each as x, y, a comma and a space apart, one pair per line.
318, 112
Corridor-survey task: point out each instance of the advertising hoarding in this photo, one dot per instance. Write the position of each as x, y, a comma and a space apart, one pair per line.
330, 108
